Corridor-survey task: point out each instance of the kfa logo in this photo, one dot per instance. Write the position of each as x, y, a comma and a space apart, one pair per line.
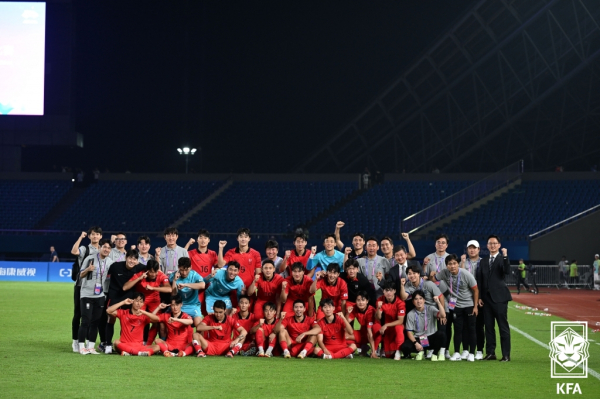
567, 388
569, 350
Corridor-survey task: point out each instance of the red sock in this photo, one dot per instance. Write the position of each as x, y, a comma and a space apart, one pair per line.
320, 353
189, 350
163, 347
343, 353
272, 343
152, 333
260, 338
283, 345
308, 347
197, 346
236, 348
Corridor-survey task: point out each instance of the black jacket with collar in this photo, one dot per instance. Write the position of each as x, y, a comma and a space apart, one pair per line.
492, 280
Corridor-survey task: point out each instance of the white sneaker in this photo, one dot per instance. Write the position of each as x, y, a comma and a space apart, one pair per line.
143, 353
350, 356
329, 357
302, 354
75, 346
108, 349
464, 355
471, 358
84, 351
429, 353
456, 357
261, 353
397, 356
479, 355
286, 354
92, 351
447, 354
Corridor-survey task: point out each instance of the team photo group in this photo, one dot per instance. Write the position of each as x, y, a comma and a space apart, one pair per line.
367, 299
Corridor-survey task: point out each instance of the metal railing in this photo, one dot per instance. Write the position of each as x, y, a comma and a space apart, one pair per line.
563, 222
462, 198
551, 276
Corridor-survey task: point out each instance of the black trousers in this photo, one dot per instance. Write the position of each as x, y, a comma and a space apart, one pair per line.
532, 281
76, 311
91, 312
464, 318
448, 326
436, 342
479, 332
496, 312
521, 280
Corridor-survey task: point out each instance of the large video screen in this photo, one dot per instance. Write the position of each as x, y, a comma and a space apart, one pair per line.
22, 48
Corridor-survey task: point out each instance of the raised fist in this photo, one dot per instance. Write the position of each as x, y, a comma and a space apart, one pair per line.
222, 244
177, 275
214, 271
157, 251
405, 236
504, 252
379, 275
113, 238
349, 309
191, 241
339, 225
426, 261
288, 253
282, 315
220, 328
340, 314
463, 258
233, 311
133, 247
402, 281
348, 250
83, 234
262, 321
256, 277
379, 305
284, 285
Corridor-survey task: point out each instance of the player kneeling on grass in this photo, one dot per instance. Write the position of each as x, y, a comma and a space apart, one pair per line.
267, 328
332, 339
217, 329
133, 322
298, 332
390, 313
246, 319
421, 328
178, 323
369, 328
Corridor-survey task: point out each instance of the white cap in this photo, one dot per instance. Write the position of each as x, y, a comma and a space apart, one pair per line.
597, 256
473, 243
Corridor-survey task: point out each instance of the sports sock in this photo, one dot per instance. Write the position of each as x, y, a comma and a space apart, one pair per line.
343, 353
81, 345
196, 346
283, 345
91, 345
320, 353
236, 348
152, 334
308, 347
260, 338
163, 347
189, 350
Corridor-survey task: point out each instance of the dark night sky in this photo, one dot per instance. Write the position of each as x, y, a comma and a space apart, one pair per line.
256, 84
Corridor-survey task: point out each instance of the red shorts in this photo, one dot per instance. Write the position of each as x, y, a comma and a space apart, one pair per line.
334, 348
296, 348
132, 348
218, 348
179, 345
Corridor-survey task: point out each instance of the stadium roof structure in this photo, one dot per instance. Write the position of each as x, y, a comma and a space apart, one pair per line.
510, 80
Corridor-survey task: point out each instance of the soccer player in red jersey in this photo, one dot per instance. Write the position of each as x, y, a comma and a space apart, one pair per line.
369, 328
179, 342
248, 258
332, 287
267, 328
299, 254
332, 339
298, 332
217, 329
246, 319
133, 322
297, 288
150, 283
390, 314
268, 285
203, 259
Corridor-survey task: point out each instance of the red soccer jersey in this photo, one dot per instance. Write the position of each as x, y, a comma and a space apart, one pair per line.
151, 296
295, 328
132, 326
203, 263
267, 328
228, 326
391, 311
337, 292
247, 323
294, 257
334, 332
178, 332
269, 290
298, 291
365, 319
249, 262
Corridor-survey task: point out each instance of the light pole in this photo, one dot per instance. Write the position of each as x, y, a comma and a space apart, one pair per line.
186, 151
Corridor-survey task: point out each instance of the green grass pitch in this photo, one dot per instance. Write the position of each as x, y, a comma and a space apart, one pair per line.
36, 360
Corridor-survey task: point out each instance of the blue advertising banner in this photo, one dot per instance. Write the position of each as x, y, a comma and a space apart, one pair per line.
24, 271
59, 272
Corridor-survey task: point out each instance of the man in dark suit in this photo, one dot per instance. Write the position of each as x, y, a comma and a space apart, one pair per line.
494, 298
398, 272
